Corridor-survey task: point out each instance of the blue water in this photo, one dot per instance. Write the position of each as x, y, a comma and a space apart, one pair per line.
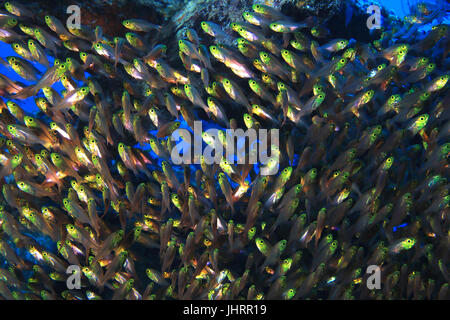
401, 9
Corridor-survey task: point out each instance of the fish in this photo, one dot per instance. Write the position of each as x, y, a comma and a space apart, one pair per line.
140, 25
357, 175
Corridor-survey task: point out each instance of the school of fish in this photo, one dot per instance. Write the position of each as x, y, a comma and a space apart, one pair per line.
362, 179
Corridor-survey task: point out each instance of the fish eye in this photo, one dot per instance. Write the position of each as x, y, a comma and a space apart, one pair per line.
321, 96
342, 60
400, 52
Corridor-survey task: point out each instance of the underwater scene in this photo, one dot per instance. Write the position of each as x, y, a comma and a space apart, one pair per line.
224, 150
